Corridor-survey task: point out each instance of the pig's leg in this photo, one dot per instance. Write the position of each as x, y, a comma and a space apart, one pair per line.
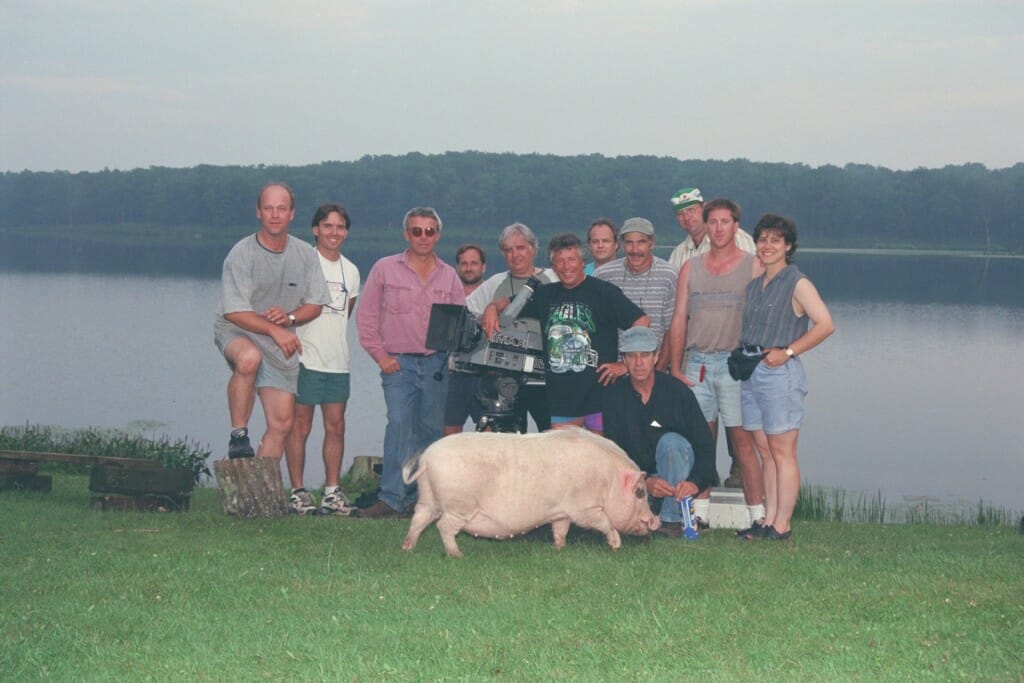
421, 519
559, 529
595, 518
448, 526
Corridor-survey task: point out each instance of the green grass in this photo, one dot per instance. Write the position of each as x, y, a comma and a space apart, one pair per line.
198, 596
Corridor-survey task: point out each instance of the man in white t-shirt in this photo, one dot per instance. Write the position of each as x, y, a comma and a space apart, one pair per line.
324, 368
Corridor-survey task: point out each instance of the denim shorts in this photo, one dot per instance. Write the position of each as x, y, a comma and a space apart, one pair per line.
718, 393
317, 388
773, 398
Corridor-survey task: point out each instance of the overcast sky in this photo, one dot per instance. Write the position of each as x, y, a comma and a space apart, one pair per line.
123, 84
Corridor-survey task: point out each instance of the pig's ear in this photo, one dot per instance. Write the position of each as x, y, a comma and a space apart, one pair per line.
634, 481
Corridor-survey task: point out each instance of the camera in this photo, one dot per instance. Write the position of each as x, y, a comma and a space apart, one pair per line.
512, 358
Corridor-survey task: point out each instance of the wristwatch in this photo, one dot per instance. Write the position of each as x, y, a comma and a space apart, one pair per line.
790, 353
291, 317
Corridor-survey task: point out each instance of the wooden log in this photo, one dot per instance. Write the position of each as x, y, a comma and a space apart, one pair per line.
363, 466
106, 478
18, 466
250, 487
143, 503
12, 481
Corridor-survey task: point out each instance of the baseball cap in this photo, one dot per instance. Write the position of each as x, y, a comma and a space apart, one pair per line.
638, 339
686, 197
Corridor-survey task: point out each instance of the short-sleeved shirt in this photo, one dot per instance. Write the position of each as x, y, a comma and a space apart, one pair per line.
324, 339
653, 290
580, 328
256, 279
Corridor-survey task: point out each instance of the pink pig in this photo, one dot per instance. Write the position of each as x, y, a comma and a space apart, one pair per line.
501, 485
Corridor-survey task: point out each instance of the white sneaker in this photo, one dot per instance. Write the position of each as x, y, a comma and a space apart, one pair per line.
301, 503
335, 503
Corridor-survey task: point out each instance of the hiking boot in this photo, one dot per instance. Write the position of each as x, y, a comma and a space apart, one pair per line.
379, 510
670, 530
335, 503
238, 446
301, 503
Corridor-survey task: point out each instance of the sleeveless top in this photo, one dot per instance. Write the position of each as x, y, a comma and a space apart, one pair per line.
715, 306
768, 318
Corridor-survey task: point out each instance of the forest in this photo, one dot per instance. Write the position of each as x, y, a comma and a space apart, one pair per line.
143, 215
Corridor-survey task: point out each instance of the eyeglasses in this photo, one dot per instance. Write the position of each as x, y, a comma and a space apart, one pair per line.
417, 231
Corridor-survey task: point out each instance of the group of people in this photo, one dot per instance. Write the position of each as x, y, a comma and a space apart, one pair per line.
636, 347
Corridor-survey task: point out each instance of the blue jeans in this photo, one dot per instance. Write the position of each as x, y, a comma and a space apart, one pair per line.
674, 459
415, 402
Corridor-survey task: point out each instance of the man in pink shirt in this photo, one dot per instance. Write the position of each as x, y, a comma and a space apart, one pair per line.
393, 315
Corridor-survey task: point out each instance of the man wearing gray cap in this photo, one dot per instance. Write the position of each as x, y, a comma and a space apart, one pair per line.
688, 205
656, 419
645, 279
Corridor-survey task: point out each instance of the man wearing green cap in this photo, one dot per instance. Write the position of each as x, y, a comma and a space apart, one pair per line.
688, 205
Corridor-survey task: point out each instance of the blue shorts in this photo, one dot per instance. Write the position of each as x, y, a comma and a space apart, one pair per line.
718, 393
316, 388
594, 422
773, 398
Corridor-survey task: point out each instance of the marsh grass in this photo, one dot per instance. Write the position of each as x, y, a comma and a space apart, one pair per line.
823, 504
184, 453
200, 597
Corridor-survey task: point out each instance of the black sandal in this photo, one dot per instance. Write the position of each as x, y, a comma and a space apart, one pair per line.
756, 531
770, 534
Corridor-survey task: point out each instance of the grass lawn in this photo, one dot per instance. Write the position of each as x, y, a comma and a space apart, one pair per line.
200, 597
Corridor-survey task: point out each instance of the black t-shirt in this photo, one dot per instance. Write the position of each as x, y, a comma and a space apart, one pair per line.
580, 328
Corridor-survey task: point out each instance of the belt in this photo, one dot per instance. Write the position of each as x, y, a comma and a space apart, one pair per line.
416, 355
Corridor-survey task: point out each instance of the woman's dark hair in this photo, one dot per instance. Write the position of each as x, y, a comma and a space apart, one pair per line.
773, 222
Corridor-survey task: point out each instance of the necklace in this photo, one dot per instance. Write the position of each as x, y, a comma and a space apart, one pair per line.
647, 283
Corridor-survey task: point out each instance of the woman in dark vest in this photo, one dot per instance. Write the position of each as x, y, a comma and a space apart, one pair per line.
779, 306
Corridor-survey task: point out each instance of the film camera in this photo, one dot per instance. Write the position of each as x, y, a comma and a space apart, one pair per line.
513, 358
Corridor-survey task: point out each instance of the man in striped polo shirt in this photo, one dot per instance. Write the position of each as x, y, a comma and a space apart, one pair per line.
645, 279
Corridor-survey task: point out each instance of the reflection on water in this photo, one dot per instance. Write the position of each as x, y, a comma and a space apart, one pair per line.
915, 395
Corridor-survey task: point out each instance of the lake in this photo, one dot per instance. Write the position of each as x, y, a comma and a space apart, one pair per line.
914, 396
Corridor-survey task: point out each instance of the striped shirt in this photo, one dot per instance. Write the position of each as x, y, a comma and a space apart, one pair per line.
653, 290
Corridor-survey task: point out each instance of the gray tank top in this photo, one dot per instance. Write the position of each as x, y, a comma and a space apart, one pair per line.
715, 307
768, 318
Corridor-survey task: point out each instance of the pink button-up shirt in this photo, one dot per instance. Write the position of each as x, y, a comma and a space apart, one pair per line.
394, 307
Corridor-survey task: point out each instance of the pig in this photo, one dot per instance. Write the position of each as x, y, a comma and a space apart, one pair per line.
499, 485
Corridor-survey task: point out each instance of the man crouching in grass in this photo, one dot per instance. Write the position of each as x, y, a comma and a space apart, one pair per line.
656, 419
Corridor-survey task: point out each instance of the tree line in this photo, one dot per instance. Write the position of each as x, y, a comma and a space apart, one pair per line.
959, 207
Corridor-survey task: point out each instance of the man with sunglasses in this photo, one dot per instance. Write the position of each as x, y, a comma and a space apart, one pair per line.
324, 368
392, 321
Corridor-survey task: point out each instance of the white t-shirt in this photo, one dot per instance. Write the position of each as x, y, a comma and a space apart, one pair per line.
324, 341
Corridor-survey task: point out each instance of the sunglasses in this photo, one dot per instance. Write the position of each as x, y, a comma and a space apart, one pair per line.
417, 231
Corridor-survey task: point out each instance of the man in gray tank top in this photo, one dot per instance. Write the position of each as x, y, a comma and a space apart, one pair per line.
706, 324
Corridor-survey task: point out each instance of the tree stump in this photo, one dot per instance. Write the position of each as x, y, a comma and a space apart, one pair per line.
363, 466
250, 487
